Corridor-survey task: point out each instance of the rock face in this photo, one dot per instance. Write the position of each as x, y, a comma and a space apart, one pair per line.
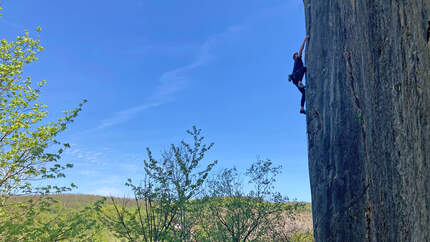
368, 119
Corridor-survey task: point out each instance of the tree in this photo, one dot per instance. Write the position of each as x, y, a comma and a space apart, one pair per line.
236, 215
162, 202
24, 134
149, 218
29, 150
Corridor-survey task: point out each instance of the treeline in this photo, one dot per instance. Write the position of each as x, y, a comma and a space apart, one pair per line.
63, 226
177, 199
178, 202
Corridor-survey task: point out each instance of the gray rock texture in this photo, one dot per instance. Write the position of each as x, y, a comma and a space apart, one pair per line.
368, 119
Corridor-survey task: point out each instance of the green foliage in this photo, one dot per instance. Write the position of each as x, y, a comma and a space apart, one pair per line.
29, 151
41, 218
161, 202
166, 206
298, 206
177, 177
74, 208
24, 133
236, 215
302, 237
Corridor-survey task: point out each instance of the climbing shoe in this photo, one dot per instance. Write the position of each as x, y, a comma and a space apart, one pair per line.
303, 111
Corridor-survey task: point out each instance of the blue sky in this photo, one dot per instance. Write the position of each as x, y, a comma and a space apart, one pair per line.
152, 69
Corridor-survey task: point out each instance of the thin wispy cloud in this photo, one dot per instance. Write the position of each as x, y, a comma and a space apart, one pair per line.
175, 80
127, 114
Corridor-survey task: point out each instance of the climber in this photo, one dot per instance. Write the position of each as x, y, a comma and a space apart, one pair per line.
298, 73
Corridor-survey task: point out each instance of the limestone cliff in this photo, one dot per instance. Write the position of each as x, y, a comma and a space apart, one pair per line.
368, 119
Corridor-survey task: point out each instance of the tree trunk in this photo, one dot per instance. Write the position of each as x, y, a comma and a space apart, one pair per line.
368, 119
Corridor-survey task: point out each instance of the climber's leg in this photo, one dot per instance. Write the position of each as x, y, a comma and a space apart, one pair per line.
302, 101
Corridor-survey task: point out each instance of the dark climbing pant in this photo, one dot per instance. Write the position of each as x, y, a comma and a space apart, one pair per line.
302, 90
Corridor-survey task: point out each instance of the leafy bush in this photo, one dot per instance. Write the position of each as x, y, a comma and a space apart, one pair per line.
162, 201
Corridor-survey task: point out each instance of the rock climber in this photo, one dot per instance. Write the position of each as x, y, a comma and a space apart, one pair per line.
298, 73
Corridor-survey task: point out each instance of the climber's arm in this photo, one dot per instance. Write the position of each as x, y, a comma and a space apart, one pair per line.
303, 46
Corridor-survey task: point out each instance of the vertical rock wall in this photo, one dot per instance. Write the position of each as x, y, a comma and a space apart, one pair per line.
368, 119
